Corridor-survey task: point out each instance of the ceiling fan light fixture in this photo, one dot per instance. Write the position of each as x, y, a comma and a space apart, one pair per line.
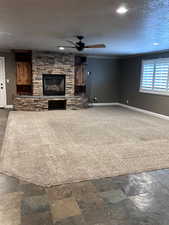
61, 48
122, 10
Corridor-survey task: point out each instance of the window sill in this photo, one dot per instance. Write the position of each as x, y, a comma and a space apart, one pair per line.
154, 93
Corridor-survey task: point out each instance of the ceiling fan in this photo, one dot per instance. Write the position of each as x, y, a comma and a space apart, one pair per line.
80, 45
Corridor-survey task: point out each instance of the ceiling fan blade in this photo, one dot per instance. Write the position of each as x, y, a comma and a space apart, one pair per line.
71, 42
65, 46
96, 46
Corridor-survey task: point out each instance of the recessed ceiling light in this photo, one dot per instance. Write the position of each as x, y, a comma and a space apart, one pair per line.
122, 10
61, 48
155, 43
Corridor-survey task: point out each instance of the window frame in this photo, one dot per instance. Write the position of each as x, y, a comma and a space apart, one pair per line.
154, 61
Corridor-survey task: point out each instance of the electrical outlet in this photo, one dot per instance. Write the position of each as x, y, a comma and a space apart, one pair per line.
95, 99
127, 101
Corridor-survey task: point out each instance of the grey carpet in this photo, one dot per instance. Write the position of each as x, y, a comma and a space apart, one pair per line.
56, 147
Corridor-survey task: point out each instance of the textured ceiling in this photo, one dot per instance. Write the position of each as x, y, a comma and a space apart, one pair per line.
43, 24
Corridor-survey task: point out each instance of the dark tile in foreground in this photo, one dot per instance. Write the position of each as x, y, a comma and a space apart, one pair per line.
37, 219
90, 200
144, 221
105, 184
82, 188
116, 211
113, 196
59, 192
8, 184
31, 189
95, 214
75, 220
34, 204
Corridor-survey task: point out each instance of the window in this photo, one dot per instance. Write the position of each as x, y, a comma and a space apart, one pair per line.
155, 76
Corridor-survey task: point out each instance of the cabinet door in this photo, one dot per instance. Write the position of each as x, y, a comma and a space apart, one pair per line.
80, 75
24, 73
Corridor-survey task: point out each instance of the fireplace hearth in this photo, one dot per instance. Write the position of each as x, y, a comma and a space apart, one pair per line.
53, 84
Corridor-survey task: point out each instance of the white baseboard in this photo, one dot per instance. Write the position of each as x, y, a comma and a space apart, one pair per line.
132, 108
144, 111
122, 105
104, 104
8, 107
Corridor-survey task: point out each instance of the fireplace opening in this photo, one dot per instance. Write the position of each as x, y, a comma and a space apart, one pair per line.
56, 104
53, 84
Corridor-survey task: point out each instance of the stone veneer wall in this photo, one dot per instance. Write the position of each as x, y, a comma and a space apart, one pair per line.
52, 63
37, 103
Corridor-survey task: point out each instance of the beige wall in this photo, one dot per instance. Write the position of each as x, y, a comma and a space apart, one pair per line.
10, 73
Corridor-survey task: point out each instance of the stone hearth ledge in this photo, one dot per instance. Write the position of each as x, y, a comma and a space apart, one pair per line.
40, 103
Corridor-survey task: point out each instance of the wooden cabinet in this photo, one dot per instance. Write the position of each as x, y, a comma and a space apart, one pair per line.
80, 75
24, 73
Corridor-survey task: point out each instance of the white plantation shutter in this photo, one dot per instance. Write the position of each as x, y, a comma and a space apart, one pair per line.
147, 76
161, 76
155, 76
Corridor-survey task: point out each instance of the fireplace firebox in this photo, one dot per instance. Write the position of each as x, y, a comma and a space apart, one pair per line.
53, 84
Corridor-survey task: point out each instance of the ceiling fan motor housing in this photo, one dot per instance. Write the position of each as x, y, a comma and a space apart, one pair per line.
80, 46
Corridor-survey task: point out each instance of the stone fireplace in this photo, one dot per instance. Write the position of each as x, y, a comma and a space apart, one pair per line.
53, 79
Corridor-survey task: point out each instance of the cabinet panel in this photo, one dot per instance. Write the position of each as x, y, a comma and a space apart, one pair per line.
24, 73
80, 75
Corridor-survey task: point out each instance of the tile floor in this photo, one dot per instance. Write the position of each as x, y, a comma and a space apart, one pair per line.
137, 199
